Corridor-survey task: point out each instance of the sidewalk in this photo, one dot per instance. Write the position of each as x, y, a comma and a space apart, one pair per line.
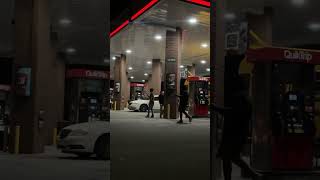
50, 152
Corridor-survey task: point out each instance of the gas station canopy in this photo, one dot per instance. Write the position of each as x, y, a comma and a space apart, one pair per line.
143, 37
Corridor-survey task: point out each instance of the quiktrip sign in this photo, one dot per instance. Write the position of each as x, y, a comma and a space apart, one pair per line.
289, 55
85, 73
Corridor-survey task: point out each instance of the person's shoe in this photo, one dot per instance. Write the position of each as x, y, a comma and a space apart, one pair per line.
190, 119
152, 116
180, 122
258, 176
147, 116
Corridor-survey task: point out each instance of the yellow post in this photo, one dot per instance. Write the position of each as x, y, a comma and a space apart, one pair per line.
115, 105
55, 134
17, 140
168, 115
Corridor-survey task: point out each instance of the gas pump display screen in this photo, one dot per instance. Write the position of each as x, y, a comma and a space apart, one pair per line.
293, 97
139, 89
93, 101
93, 107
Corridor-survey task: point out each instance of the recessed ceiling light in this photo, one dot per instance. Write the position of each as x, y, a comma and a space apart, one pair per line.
314, 26
298, 2
208, 69
65, 21
114, 58
143, 80
158, 37
145, 74
130, 68
149, 62
204, 45
128, 51
70, 50
193, 20
131, 77
229, 16
203, 62
181, 66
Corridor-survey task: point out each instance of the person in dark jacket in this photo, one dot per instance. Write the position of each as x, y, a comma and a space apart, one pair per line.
184, 101
235, 132
151, 104
161, 102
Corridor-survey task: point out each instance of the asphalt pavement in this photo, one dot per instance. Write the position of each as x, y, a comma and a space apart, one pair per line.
52, 165
158, 149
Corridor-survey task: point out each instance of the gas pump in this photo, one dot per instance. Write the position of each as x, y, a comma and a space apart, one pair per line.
198, 96
136, 90
2, 123
284, 119
293, 120
90, 107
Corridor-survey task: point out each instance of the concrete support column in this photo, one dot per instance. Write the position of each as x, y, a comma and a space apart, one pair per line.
217, 84
120, 77
156, 76
34, 50
146, 86
172, 72
127, 96
261, 159
192, 70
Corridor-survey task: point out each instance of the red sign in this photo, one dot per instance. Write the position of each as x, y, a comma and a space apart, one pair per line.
197, 78
90, 74
136, 85
270, 54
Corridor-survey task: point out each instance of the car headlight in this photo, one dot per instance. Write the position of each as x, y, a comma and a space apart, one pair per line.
78, 132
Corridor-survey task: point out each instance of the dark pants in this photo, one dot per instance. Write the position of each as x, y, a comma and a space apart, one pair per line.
237, 160
150, 109
161, 110
182, 110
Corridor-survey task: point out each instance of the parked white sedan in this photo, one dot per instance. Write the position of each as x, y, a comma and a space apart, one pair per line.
85, 139
142, 104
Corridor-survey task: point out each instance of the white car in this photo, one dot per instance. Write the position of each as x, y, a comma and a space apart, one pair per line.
86, 139
142, 105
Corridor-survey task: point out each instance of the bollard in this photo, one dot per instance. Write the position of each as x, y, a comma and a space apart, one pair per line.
168, 115
55, 134
115, 105
17, 140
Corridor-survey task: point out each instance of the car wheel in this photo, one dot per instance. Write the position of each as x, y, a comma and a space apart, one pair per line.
102, 147
143, 108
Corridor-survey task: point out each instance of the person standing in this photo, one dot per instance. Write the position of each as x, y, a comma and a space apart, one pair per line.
184, 101
161, 102
151, 104
235, 132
